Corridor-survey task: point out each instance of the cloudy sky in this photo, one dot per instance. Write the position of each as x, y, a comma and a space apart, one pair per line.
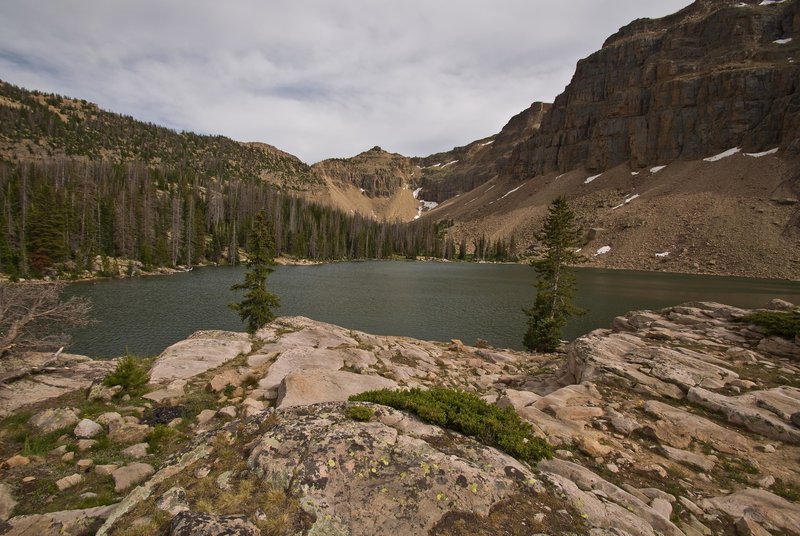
316, 78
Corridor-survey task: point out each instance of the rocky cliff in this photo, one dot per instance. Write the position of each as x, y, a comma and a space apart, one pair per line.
445, 175
716, 75
683, 421
376, 172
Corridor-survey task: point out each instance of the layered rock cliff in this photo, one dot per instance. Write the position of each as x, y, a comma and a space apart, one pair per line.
376, 172
718, 74
445, 175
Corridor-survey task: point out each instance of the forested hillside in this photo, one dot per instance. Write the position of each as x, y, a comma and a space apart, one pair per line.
81, 188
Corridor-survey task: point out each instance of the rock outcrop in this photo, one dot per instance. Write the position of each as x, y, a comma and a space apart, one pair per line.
202, 351
672, 422
37, 377
377, 172
716, 75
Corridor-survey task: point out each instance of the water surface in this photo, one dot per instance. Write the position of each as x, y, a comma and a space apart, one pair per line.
432, 301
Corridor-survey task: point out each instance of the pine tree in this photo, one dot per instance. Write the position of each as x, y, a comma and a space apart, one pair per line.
555, 284
255, 309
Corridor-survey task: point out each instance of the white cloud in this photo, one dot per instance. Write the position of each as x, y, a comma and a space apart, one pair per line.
313, 77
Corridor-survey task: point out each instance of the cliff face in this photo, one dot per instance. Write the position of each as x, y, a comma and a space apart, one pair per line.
442, 175
445, 175
716, 75
378, 172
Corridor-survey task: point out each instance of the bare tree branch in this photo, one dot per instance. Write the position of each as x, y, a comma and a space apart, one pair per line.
33, 316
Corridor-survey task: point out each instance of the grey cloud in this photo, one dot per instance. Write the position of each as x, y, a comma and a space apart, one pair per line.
317, 78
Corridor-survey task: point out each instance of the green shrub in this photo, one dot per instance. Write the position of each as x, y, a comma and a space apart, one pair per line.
360, 413
130, 375
161, 436
466, 413
787, 490
784, 324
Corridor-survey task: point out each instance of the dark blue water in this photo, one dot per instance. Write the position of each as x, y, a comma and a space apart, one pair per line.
432, 301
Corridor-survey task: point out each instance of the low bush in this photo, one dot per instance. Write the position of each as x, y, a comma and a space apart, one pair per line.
162, 436
129, 374
360, 413
784, 324
787, 490
467, 414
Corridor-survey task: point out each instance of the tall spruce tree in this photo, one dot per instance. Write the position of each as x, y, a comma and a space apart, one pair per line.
255, 309
555, 284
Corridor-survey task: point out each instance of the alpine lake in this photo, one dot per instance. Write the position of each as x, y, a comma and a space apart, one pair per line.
426, 300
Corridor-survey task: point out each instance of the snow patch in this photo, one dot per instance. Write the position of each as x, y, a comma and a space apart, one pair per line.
559, 176
662, 255
634, 173
490, 187
362, 190
724, 154
487, 143
765, 153
450, 163
770, 2
511, 192
424, 206
656, 169
626, 201
783, 41
590, 179
603, 250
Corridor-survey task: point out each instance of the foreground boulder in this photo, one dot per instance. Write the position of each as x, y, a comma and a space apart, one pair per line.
67, 523
330, 474
38, 377
202, 351
678, 421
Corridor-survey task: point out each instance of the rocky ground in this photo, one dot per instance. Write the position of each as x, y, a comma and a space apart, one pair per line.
679, 421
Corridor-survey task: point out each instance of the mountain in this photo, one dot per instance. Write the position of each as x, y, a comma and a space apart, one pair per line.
86, 192
379, 184
717, 74
36, 126
677, 144
375, 183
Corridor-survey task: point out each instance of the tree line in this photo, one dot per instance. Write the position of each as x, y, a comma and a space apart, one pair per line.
58, 215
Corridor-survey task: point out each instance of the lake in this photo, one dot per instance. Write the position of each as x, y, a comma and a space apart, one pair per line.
425, 300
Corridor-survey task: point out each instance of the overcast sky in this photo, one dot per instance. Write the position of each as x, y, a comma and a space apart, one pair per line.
316, 78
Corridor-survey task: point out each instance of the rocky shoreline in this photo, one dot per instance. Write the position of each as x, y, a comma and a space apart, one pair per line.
678, 421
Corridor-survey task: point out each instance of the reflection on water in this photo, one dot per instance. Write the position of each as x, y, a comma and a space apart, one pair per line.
434, 301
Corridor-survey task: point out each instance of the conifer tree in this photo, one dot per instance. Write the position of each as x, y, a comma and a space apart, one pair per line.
255, 309
555, 283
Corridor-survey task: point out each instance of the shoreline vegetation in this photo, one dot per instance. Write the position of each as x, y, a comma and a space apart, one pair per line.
284, 260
